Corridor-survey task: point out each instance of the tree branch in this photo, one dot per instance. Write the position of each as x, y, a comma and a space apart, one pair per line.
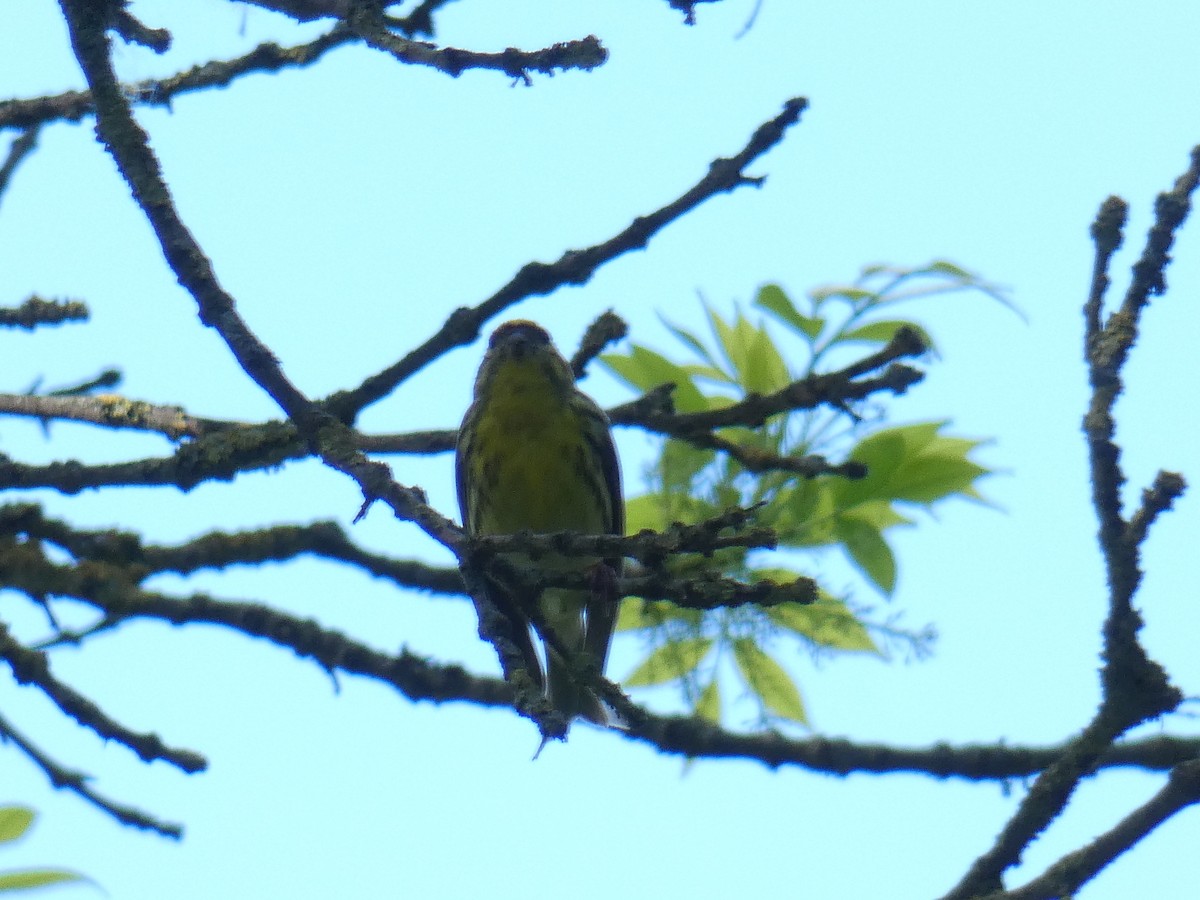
35, 311
219, 550
31, 667
109, 410
1134, 687
1076, 869
20, 148
573, 267
365, 18
77, 782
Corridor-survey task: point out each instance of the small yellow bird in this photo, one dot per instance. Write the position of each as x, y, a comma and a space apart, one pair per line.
534, 452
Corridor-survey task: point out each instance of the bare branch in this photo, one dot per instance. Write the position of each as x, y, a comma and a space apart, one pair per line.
31, 667
1074, 870
366, 20
1134, 687
1157, 499
573, 267
72, 106
110, 410
607, 329
77, 782
35, 311
134, 32
688, 8
219, 550
20, 148
220, 456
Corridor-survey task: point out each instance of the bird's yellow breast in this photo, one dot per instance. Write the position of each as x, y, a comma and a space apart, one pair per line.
534, 464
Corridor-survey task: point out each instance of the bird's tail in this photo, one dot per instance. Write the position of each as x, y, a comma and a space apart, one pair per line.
563, 610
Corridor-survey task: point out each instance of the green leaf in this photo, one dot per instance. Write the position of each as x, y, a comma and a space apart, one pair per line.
883, 331
645, 369
645, 512
772, 298
693, 342
914, 463
803, 515
868, 551
945, 267
708, 704
852, 295
712, 373
827, 623
14, 820
769, 680
35, 878
879, 514
669, 662
637, 613
752, 354
935, 477
681, 462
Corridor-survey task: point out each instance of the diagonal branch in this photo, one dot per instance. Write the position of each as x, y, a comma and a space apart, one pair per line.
20, 148
77, 782
573, 267
1076, 869
31, 667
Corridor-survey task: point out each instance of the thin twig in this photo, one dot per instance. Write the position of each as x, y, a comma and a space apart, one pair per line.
35, 311
77, 782
72, 106
32, 667
20, 148
366, 20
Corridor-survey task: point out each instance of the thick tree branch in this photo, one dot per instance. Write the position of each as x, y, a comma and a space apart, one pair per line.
128, 144
1134, 687
108, 589
216, 457
1076, 869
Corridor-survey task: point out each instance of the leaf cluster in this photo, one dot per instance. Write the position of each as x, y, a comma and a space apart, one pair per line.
853, 506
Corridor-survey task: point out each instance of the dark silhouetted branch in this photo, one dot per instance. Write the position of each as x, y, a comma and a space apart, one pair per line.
36, 311
32, 667
366, 20
573, 267
77, 782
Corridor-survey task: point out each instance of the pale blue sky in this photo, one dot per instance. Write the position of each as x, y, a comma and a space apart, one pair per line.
353, 205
